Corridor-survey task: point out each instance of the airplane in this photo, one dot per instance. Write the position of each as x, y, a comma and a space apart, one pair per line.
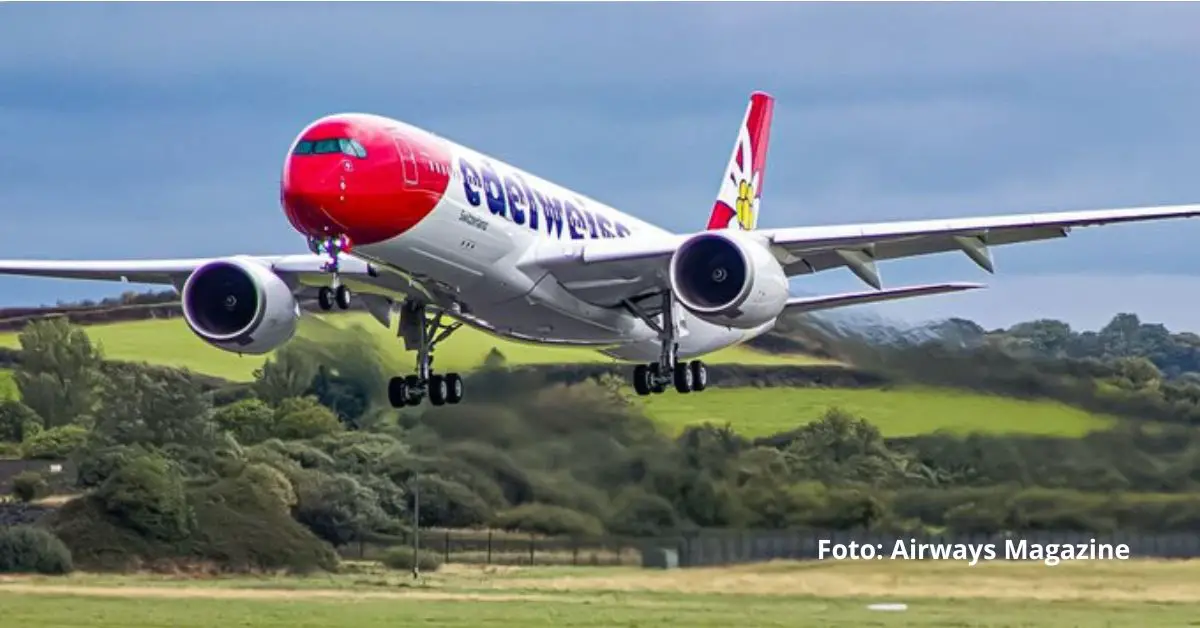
410, 222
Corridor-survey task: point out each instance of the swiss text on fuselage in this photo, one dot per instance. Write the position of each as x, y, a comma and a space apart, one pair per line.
511, 197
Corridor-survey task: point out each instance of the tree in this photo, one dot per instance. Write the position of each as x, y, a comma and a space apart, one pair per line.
162, 409
17, 421
346, 396
288, 374
59, 372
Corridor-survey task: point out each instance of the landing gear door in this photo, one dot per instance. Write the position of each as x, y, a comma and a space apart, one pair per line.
409, 160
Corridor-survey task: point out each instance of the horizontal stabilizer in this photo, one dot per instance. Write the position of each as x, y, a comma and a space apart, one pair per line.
812, 304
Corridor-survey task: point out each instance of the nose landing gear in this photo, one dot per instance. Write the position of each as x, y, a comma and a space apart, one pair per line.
328, 297
337, 293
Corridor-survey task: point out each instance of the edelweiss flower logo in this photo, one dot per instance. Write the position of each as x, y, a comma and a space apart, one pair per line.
745, 203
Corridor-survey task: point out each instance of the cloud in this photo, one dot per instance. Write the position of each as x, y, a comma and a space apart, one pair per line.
158, 129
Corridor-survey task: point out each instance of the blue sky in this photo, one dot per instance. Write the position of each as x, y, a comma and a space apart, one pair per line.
151, 130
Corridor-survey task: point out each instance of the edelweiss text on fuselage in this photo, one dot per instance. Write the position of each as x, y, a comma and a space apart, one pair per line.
511, 197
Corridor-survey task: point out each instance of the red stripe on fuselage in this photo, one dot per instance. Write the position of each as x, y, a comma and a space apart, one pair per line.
370, 199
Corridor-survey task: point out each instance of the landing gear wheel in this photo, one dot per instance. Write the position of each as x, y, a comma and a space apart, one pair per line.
421, 334
437, 390
398, 392
699, 375
656, 376
342, 295
658, 382
454, 388
641, 379
683, 377
325, 298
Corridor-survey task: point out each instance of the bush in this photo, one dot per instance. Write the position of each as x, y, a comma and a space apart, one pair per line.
238, 528
10, 451
337, 508
147, 494
30, 485
250, 420
549, 520
54, 444
300, 418
448, 504
401, 558
17, 421
26, 549
641, 514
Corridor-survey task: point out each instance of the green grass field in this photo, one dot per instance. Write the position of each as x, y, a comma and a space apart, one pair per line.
1131, 593
898, 412
8, 388
169, 342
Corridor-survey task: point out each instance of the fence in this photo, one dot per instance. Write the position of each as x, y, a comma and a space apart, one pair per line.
728, 547
496, 547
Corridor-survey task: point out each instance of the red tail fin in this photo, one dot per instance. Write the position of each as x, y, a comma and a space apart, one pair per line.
741, 187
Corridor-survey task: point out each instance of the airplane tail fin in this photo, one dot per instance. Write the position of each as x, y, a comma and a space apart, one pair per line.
741, 187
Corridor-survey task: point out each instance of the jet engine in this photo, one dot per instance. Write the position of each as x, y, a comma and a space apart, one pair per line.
240, 305
729, 278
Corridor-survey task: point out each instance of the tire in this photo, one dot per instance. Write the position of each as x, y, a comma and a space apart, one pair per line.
699, 375
657, 385
342, 297
437, 390
398, 392
641, 380
325, 298
455, 390
682, 377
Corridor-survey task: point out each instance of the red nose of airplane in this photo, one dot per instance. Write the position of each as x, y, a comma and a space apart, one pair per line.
354, 176
321, 192
314, 194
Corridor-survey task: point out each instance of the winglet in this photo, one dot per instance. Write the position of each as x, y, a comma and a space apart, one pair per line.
741, 187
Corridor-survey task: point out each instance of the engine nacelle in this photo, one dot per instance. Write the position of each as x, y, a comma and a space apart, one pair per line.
240, 305
727, 277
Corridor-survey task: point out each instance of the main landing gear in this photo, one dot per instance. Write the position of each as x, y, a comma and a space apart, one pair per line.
336, 294
423, 334
656, 376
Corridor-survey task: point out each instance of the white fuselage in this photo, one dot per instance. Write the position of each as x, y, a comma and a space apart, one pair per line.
478, 253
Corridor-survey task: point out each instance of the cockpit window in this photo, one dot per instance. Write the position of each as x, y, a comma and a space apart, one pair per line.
331, 146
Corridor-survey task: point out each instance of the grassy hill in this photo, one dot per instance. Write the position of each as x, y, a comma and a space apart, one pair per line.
169, 342
751, 411
897, 412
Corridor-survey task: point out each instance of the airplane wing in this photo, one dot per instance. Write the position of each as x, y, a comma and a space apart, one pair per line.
165, 271
606, 272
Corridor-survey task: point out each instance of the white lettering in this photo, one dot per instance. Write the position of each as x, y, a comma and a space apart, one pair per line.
1054, 553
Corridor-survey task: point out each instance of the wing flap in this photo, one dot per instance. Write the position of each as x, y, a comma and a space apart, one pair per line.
813, 304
